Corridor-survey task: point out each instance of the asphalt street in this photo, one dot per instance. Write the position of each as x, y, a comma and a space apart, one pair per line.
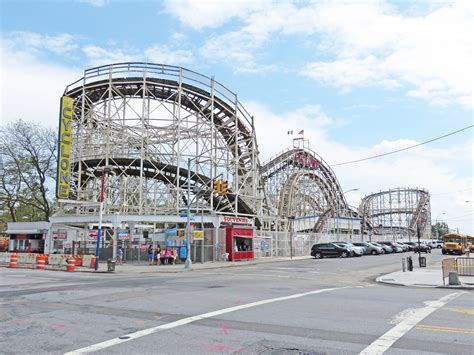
297, 307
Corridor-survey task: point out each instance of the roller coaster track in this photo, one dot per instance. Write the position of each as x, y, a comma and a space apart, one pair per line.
397, 210
293, 166
192, 98
199, 184
148, 149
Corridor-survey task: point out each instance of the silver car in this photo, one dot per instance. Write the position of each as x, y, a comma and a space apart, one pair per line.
370, 249
356, 251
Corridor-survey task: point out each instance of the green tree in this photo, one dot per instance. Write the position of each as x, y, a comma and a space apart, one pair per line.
28, 153
439, 229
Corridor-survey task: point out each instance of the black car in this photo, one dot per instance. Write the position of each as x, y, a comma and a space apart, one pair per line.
422, 248
329, 249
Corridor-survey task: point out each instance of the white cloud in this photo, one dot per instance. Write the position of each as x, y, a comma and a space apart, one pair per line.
159, 54
35, 42
437, 170
30, 89
164, 55
427, 52
200, 14
100, 56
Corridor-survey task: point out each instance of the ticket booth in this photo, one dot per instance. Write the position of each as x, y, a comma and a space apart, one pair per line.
239, 243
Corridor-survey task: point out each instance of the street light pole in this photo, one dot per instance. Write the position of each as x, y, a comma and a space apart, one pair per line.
99, 228
188, 262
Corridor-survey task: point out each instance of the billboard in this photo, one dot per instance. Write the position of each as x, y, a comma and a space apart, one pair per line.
64, 148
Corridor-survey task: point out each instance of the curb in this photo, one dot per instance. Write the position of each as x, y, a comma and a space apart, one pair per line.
221, 266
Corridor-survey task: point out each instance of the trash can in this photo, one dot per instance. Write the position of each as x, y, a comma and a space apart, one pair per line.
110, 265
409, 263
422, 261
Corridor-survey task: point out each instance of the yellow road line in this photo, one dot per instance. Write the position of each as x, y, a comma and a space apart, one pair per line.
445, 329
460, 310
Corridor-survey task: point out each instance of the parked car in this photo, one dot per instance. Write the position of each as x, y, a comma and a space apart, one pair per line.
435, 244
386, 248
422, 247
370, 249
410, 245
403, 246
356, 251
322, 250
393, 245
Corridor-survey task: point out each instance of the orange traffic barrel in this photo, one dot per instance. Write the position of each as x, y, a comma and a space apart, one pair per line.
13, 260
78, 259
71, 264
40, 261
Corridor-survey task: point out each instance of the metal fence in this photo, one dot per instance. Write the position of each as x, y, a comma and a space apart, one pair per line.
448, 265
465, 266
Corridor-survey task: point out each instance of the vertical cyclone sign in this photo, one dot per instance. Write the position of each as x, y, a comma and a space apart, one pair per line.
64, 148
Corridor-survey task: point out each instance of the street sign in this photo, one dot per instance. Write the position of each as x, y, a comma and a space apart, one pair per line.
198, 235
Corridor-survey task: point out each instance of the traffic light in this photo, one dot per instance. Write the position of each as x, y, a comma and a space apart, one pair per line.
217, 186
224, 187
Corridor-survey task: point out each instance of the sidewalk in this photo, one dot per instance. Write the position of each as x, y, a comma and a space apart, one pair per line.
431, 276
143, 267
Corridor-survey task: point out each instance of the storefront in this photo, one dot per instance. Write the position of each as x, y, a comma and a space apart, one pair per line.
27, 237
27, 243
239, 242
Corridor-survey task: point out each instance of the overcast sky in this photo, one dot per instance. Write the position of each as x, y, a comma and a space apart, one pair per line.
360, 77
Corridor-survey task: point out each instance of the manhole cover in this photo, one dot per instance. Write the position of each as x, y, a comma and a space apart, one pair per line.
124, 337
216, 286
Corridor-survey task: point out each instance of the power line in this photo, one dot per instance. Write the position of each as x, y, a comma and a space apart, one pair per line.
403, 149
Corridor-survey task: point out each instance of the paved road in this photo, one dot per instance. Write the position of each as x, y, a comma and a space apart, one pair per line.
299, 307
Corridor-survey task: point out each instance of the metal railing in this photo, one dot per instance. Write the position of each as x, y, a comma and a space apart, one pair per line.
465, 266
448, 265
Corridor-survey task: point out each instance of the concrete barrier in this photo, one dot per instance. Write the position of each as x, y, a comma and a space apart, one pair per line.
57, 260
86, 261
26, 259
5, 258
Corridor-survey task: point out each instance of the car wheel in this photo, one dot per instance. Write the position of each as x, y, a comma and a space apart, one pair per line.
344, 254
318, 256
439, 246
443, 252
373, 252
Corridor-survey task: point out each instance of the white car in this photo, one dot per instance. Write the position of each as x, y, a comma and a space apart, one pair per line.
356, 251
435, 244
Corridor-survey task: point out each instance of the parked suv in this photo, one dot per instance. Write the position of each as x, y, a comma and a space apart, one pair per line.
422, 248
329, 249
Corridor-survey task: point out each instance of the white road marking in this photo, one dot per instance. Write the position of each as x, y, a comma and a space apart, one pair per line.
380, 345
184, 321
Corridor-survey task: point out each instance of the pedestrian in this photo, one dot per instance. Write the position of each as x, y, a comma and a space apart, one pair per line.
119, 255
157, 254
150, 255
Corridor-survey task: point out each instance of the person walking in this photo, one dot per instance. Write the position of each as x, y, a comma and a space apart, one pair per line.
119, 256
150, 254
